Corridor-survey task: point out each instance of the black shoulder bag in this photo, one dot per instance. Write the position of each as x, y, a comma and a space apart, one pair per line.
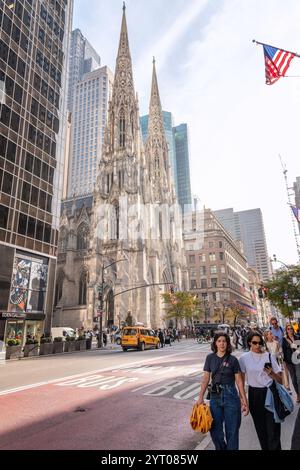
212, 385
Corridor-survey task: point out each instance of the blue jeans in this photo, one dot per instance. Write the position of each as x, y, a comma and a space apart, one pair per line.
226, 407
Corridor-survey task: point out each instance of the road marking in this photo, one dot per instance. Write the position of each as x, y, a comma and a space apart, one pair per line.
106, 369
204, 443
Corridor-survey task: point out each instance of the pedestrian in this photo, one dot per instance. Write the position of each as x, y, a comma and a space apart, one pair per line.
161, 338
255, 366
104, 338
276, 329
225, 404
289, 346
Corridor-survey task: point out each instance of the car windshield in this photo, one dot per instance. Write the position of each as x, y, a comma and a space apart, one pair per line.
129, 332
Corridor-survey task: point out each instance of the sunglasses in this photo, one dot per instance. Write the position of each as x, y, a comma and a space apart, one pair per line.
256, 343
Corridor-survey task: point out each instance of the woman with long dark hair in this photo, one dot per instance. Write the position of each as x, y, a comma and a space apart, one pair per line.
225, 403
260, 373
289, 346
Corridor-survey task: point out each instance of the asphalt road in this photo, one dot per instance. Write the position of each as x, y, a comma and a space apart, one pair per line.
109, 400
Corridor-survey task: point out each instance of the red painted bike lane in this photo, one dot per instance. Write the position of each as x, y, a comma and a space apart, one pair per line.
140, 406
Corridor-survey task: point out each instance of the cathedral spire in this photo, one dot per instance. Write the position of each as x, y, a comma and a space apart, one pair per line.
123, 75
156, 125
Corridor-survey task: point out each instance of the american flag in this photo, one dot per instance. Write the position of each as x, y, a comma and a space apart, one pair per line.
277, 61
296, 213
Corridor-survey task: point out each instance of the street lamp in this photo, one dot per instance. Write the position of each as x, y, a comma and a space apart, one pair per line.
101, 298
275, 260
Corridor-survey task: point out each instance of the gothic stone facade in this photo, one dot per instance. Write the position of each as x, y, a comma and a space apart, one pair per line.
132, 222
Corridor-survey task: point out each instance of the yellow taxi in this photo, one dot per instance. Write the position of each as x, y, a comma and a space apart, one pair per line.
139, 337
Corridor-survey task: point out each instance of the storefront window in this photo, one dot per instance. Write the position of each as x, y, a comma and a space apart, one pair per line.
14, 330
33, 329
29, 283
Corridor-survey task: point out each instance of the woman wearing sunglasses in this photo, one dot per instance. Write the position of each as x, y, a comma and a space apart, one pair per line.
260, 373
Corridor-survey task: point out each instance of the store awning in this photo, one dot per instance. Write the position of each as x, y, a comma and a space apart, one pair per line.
247, 307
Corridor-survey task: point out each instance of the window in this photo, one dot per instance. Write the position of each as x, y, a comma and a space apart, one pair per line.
223, 271
193, 284
11, 151
22, 228
220, 245
214, 282
202, 270
211, 244
122, 129
202, 258
26, 192
221, 255
82, 237
3, 216
203, 283
213, 269
212, 257
192, 259
83, 288
31, 227
7, 183
29, 162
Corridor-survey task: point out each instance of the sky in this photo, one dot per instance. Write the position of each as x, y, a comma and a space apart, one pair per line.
211, 76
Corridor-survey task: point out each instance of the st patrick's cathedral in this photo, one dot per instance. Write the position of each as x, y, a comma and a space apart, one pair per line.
126, 237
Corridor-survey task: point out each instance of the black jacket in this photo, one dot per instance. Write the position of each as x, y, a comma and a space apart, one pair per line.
287, 350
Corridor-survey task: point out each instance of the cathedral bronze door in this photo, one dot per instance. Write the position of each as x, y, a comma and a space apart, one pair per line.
110, 308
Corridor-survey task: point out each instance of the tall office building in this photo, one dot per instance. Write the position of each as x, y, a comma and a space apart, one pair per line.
248, 227
177, 138
89, 120
83, 59
168, 126
183, 165
34, 50
297, 195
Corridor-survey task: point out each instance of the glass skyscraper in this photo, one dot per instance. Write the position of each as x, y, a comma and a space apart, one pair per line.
83, 59
89, 119
183, 165
33, 62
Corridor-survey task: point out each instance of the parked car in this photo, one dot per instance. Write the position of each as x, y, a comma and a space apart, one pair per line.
62, 331
116, 336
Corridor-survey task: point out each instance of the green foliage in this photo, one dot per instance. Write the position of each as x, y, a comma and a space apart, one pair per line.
31, 341
285, 281
181, 305
13, 342
70, 338
46, 340
58, 339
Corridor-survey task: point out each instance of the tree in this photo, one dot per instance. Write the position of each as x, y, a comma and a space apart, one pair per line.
180, 305
284, 289
227, 312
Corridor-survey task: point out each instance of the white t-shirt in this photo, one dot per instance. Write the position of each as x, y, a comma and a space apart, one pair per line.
252, 364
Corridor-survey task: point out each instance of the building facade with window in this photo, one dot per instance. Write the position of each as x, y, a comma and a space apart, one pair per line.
122, 225
217, 270
34, 51
89, 120
248, 228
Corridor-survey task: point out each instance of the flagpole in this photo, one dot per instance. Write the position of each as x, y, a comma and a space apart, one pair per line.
284, 50
284, 169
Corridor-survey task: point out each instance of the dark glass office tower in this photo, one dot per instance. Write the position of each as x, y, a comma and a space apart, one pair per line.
34, 39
